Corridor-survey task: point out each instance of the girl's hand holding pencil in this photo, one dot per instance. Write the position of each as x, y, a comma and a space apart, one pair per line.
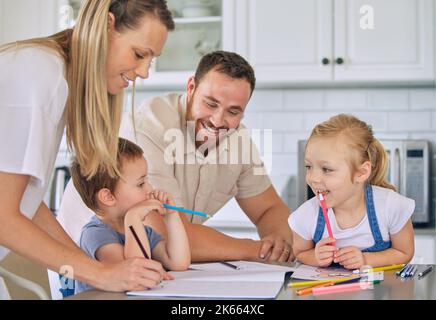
324, 251
350, 257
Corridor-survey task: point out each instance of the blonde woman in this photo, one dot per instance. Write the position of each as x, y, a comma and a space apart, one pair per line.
76, 79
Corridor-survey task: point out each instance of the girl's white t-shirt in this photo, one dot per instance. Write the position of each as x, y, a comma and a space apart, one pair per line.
392, 209
33, 94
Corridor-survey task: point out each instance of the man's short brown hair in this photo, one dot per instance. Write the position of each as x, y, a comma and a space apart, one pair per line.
88, 188
228, 63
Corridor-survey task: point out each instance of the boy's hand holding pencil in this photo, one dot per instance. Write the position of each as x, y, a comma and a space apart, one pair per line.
143, 209
164, 198
156, 200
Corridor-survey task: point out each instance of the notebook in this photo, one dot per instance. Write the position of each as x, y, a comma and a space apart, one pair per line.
214, 280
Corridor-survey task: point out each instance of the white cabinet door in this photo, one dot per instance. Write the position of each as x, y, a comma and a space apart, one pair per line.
24, 19
399, 46
424, 249
286, 40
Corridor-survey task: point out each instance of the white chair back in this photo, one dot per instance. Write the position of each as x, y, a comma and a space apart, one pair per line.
4, 293
22, 282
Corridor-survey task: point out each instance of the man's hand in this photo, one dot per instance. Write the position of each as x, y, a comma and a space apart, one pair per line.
275, 248
325, 252
350, 258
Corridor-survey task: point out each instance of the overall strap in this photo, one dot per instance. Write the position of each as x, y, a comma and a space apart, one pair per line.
379, 244
372, 217
320, 225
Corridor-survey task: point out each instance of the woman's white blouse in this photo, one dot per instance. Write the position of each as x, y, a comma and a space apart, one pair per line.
33, 94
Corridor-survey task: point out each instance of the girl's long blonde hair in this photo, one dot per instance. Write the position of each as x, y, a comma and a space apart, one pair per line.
359, 138
94, 115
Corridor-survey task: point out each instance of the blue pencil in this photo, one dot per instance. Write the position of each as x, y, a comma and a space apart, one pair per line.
201, 214
406, 271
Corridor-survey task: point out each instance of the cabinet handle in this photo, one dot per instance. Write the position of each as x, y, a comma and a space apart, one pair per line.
325, 61
339, 61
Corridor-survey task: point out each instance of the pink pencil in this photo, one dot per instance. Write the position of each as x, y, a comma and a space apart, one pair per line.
342, 288
326, 217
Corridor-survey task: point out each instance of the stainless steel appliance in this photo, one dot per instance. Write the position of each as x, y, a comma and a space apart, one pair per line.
60, 179
408, 171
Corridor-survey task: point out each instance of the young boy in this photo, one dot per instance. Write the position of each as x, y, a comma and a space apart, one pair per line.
125, 202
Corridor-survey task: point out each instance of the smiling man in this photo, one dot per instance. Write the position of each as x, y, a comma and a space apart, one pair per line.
189, 142
202, 176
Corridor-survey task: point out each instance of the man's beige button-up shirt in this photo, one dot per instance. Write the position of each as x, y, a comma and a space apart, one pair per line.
197, 182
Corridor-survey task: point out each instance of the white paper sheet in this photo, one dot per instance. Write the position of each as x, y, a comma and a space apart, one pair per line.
305, 272
214, 289
249, 271
215, 280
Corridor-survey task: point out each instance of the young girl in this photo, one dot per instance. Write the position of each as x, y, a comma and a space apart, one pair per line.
125, 202
371, 223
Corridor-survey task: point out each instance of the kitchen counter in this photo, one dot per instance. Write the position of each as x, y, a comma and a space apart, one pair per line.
391, 288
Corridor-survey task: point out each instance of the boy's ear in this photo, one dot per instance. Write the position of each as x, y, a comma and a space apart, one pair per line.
106, 198
363, 173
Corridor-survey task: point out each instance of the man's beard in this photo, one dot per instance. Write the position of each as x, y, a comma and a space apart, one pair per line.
204, 139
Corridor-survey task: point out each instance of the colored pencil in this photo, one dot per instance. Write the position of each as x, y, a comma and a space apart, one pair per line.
406, 271
197, 213
385, 268
326, 217
308, 290
316, 282
412, 273
357, 279
139, 242
409, 271
425, 271
230, 265
402, 269
342, 288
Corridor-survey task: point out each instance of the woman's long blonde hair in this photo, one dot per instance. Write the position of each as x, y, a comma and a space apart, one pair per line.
359, 138
94, 115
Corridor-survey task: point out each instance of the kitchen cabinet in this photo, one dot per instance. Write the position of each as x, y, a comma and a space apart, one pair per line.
201, 27
337, 41
25, 19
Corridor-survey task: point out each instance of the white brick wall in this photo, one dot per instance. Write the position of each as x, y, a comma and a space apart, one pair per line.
410, 121
345, 99
388, 100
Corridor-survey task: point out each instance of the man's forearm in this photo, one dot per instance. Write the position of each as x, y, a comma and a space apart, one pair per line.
207, 244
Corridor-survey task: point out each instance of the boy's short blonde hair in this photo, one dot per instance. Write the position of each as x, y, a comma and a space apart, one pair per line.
88, 188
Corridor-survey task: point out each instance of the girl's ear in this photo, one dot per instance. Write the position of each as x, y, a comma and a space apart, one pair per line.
105, 198
363, 173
